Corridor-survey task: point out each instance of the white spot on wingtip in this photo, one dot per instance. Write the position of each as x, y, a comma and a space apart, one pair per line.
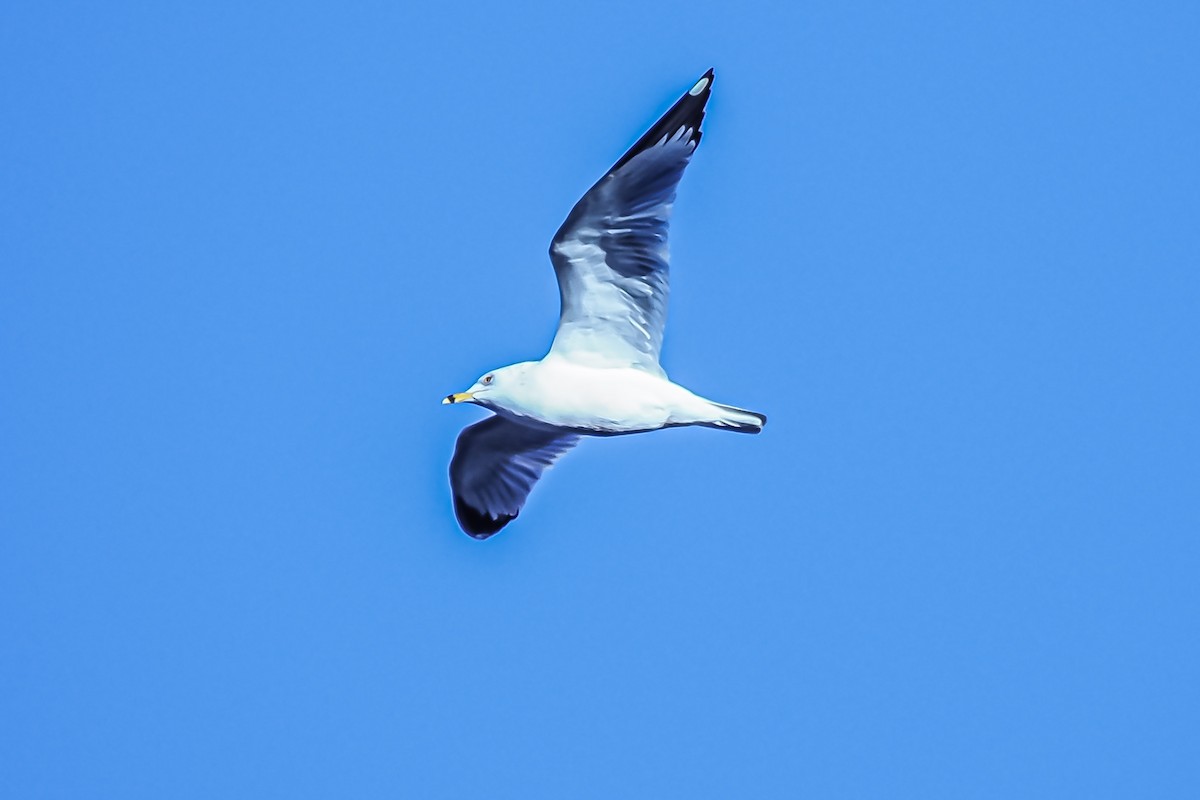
699, 87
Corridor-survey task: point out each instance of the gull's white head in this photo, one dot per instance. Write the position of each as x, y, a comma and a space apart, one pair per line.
496, 389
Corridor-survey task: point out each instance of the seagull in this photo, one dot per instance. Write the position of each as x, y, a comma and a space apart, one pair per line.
602, 375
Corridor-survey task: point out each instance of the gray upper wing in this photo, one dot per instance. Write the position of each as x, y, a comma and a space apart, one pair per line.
610, 256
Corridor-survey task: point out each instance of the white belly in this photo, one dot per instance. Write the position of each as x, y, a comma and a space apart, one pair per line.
604, 401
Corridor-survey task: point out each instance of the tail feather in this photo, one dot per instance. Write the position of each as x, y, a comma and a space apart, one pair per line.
732, 418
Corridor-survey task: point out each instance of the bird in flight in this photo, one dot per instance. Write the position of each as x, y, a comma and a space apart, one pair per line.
601, 376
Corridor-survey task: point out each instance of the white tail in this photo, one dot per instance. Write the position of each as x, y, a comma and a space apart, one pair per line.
732, 418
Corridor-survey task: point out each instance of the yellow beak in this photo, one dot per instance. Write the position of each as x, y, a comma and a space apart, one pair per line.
460, 397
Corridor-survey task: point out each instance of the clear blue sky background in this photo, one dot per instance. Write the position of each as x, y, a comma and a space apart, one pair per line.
952, 250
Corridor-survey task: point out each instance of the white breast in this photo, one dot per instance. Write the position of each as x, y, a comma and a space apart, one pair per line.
602, 400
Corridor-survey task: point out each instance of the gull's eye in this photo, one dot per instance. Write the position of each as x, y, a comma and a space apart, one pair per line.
487, 379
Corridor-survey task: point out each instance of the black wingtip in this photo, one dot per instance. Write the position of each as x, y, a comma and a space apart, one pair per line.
476, 524
686, 114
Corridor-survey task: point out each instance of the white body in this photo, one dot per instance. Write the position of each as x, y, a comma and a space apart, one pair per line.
597, 401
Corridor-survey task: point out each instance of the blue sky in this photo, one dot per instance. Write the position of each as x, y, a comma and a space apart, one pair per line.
950, 249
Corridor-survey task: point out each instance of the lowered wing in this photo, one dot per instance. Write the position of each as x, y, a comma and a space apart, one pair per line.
496, 463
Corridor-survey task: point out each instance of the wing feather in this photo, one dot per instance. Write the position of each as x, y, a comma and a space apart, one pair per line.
496, 463
610, 255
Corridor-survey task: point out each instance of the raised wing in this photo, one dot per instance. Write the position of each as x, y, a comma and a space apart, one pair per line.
496, 463
610, 255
